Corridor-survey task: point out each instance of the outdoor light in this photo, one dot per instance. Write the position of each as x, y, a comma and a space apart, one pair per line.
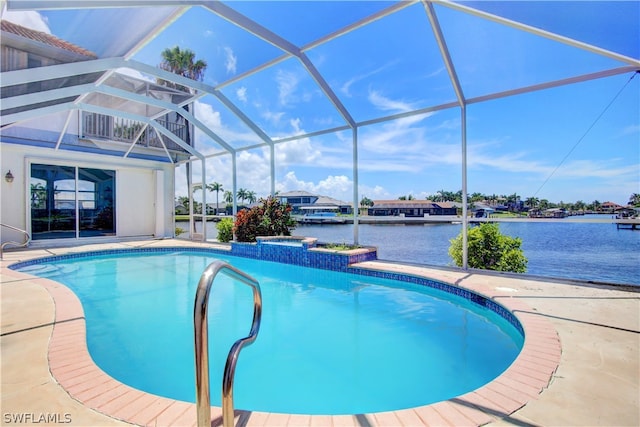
8, 177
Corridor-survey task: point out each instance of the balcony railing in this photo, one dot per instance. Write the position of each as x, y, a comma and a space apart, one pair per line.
100, 126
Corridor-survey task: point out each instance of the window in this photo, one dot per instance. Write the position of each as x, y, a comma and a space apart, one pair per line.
71, 202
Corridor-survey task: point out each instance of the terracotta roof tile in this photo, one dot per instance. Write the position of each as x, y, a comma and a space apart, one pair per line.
45, 38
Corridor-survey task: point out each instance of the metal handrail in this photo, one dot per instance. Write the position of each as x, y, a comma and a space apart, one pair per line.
17, 244
203, 403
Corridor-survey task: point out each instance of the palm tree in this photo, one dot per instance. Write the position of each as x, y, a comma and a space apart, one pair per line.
634, 200
38, 196
366, 201
241, 194
251, 196
532, 202
544, 204
579, 205
217, 187
228, 197
183, 63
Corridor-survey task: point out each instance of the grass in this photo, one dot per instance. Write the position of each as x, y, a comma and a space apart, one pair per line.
340, 246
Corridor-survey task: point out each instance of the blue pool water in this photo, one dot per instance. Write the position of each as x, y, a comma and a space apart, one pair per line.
330, 343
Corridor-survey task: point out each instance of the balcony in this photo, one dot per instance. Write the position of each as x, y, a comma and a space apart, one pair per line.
116, 129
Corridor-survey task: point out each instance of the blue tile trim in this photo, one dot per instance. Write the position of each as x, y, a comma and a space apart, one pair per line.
299, 255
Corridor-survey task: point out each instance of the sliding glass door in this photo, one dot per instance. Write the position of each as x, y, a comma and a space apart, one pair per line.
96, 202
70, 202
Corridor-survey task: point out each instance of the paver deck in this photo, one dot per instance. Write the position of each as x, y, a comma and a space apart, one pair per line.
579, 366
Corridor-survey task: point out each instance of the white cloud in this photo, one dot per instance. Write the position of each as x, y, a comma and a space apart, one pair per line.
346, 87
213, 120
299, 152
273, 117
436, 72
398, 136
287, 85
230, 60
29, 19
241, 93
337, 186
386, 104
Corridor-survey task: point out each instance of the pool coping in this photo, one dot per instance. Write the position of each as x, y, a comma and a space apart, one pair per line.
72, 367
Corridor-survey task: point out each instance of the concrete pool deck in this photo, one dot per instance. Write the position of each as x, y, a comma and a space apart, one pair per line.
580, 365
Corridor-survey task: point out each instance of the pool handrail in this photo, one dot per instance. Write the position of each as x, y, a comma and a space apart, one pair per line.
203, 398
27, 239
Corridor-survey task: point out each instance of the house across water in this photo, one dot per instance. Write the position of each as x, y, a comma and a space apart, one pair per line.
411, 208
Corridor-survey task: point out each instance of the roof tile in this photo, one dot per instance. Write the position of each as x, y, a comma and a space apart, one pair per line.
45, 38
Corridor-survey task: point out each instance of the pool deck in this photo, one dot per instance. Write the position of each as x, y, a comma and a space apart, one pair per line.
579, 365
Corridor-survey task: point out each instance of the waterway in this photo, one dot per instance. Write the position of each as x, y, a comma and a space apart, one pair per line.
586, 250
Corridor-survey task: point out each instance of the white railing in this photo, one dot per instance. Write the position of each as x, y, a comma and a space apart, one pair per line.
27, 239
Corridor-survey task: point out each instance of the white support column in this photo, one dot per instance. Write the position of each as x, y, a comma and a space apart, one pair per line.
160, 204
272, 152
189, 166
465, 219
204, 200
356, 203
234, 172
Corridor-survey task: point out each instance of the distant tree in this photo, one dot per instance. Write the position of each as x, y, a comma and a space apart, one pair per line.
366, 202
241, 195
488, 249
250, 196
596, 205
228, 197
446, 196
544, 204
634, 200
217, 187
184, 202
532, 202
477, 197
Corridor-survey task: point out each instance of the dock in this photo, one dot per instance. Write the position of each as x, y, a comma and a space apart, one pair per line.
627, 223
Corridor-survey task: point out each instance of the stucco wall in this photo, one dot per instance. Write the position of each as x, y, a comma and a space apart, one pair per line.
136, 184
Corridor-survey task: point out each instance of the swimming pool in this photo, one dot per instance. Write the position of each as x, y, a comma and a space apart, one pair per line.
330, 343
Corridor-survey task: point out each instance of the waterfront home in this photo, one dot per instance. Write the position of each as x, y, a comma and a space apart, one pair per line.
411, 208
305, 203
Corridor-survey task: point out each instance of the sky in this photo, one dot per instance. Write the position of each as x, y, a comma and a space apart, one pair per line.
570, 143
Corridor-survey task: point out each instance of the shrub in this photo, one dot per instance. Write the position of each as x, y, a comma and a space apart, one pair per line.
179, 231
269, 218
340, 246
490, 250
225, 230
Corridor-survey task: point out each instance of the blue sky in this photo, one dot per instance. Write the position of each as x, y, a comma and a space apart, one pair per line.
563, 144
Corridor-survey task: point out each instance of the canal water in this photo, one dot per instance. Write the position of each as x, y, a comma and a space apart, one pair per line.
579, 250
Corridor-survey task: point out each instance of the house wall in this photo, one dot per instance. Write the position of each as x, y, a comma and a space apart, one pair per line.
136, 184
